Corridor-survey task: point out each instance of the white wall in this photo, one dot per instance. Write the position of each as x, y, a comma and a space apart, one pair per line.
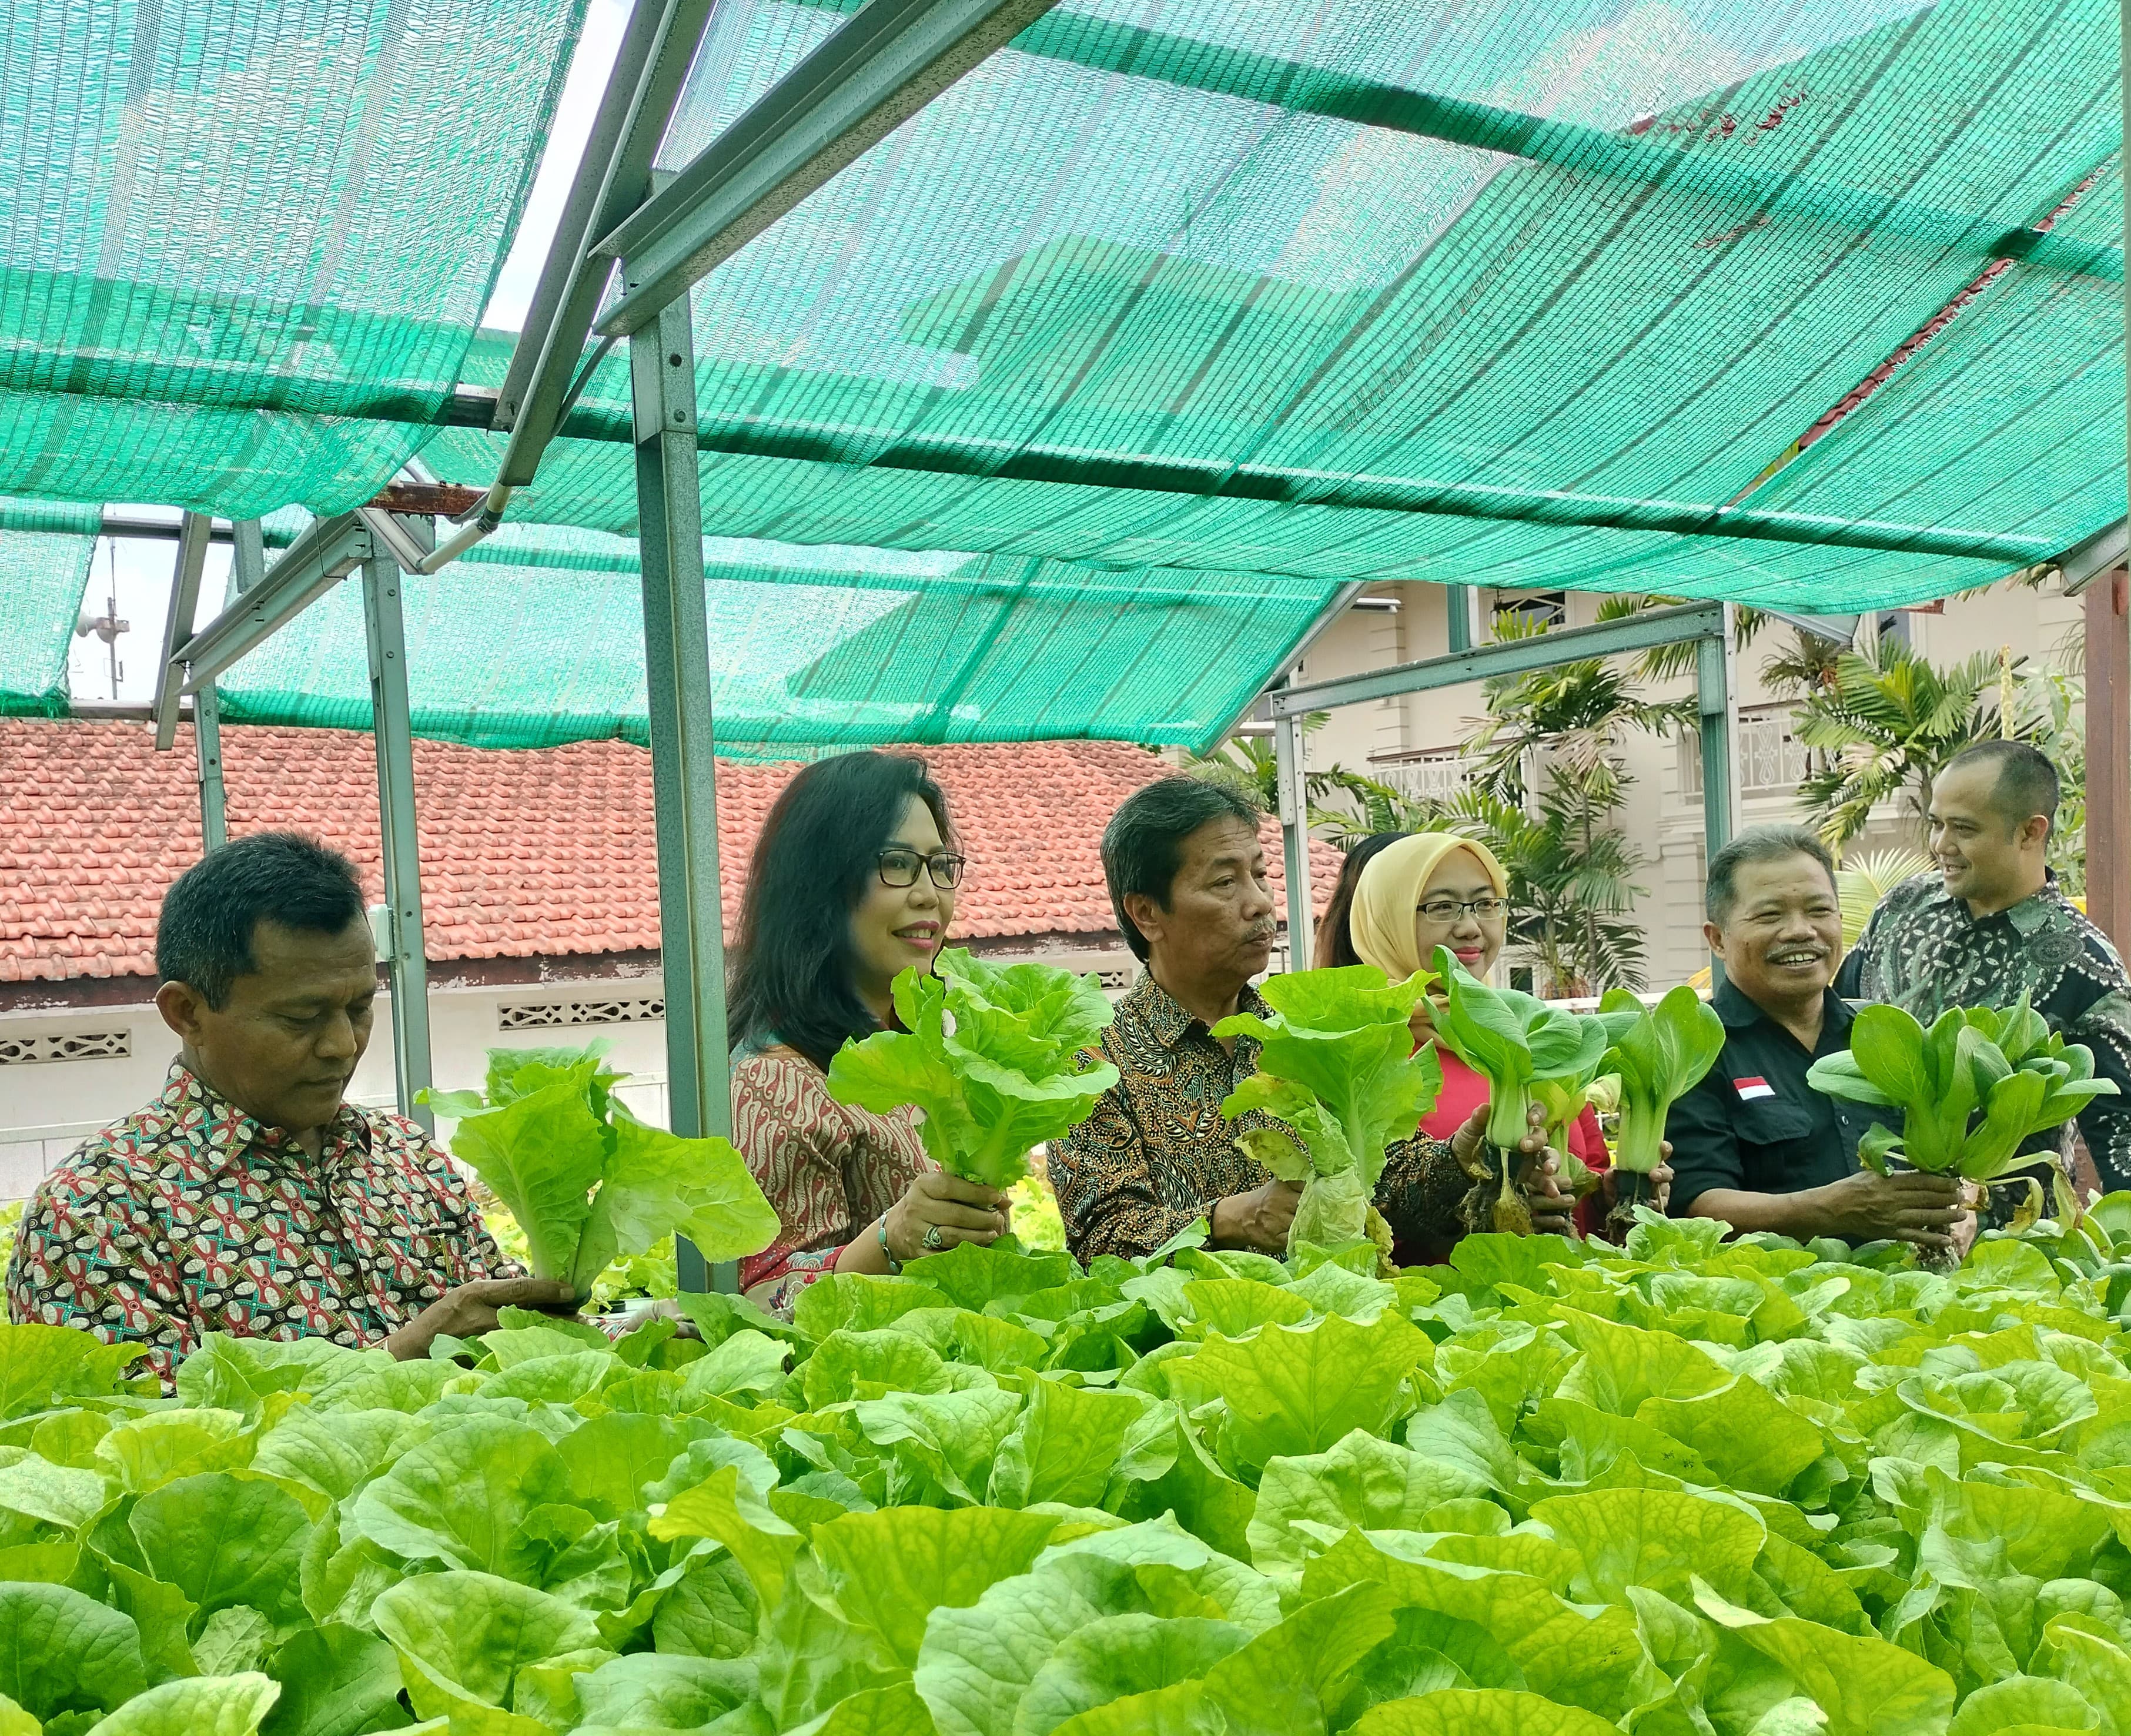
48, 1107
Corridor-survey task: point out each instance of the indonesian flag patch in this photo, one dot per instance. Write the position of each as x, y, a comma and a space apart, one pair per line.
1750, 1089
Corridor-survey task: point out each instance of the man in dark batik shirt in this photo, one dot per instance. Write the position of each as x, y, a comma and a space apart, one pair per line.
1187, 876
1990, 926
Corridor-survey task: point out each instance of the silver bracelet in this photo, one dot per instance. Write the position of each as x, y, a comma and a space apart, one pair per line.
894, 1265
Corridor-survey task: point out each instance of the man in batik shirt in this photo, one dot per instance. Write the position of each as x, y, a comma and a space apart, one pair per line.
1187, 878
251, 1198
1991, 925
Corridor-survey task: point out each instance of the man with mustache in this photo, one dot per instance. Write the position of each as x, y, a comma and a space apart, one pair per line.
251, 1198
1992, 924
1187, 878
1753, 1143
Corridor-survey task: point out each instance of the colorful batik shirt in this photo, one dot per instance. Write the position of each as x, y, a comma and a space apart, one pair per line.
829, 1169
1924, 951
189, 1217
1156, 1153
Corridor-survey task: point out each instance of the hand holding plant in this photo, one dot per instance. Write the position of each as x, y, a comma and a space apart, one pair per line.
1521, 1047
1972, 1090
991, 1054
1337, 1066
586, 1181
1660, 1053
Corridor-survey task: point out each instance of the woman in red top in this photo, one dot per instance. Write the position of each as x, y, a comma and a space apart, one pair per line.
1434, 890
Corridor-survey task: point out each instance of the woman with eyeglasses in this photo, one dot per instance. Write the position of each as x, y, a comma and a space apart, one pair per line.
1430, 889
853, 882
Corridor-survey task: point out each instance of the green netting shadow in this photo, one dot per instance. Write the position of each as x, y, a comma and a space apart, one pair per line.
538, 640
1261, 291
244, 247
45, 552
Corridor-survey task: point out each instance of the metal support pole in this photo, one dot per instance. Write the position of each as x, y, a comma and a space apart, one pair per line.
1291, 793
2108, 602
407, 964
193, 533
247, 553
676, 658
206, 740
1459, 600
1712, 684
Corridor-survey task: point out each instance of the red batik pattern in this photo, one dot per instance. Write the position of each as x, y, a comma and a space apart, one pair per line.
828, 1169
189, 1217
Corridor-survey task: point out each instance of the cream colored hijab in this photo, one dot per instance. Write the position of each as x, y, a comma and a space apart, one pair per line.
1380, 922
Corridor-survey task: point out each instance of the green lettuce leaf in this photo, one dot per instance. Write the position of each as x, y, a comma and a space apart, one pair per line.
1337, 1066
994, 1056
589, 1183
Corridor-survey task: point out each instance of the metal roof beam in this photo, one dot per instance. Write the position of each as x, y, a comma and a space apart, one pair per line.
649, 74
178, 625
886, 62
311, 566
2079, 565
1695, 620
889, 448
622, 118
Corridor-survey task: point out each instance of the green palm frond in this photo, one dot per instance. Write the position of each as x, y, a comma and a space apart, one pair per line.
1863, 883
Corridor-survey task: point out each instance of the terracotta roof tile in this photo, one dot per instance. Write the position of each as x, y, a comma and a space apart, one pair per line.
535, 853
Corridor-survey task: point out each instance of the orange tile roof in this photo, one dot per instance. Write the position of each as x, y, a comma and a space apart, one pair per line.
524, 854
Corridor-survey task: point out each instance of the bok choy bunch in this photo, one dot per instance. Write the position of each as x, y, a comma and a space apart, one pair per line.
587, 1181
992, 1054
1337, 1066
1660, 1053
1971, 1089
1518, 1044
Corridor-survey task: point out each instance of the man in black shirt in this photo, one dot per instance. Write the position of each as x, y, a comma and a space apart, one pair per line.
1753, 1143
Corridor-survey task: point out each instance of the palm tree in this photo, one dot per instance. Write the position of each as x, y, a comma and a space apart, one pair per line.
1886, 724
1862, 883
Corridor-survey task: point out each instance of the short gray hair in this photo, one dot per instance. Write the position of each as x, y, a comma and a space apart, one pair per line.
1758, 844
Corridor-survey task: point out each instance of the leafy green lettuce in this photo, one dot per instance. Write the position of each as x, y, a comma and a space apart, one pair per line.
588, 1182
1971, 1089
1336, 1064
992, 1054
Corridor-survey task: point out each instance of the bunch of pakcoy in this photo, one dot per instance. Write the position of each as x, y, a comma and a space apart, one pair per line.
1695, 1487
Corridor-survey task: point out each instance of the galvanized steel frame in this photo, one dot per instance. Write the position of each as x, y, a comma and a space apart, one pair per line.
406, 960
877, 68
677, 661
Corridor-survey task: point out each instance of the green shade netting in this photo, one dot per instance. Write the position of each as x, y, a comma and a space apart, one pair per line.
2035, 366
1180, 284
237, 236
44, 569
1172, 316
537, 639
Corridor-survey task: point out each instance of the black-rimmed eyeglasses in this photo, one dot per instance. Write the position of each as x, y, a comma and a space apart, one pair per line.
901, 867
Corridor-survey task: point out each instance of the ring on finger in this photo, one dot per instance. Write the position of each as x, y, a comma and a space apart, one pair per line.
931, 1240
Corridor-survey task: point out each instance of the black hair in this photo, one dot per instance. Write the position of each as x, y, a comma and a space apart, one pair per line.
2027, 783
203, 937
794, 974
1143, 844
1758, 844
1335, 941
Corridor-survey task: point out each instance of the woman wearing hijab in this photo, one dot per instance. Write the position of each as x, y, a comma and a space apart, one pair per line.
1431, 889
